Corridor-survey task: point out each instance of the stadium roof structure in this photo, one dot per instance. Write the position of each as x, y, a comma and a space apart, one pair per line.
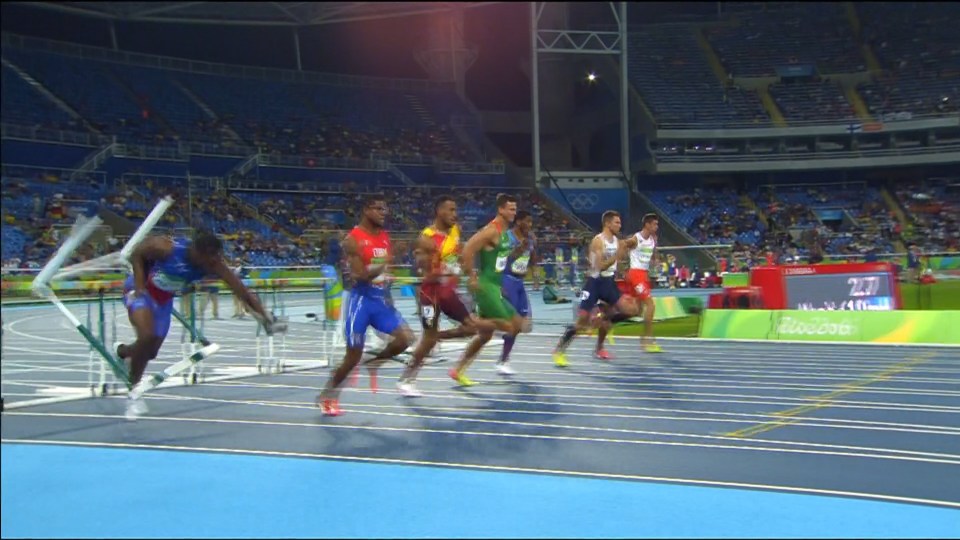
250, 13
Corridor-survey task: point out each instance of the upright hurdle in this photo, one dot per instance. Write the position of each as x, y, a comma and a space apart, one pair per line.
268, 359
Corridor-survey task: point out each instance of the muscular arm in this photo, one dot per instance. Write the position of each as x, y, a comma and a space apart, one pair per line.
534, 259
154, 248
424, 252
358, 270
477, 242
240, 290
629, 243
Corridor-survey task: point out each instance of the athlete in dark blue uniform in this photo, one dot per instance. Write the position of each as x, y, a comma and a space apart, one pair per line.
521, 260
162, 268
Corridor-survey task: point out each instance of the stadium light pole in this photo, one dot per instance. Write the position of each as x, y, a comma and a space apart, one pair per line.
567, 41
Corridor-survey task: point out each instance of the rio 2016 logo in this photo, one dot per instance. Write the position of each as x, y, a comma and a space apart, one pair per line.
817, 326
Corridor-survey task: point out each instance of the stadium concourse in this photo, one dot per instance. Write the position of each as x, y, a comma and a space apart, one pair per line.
760, 134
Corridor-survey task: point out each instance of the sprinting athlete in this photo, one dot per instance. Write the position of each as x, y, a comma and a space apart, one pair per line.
643, 254
368, 255
605, 251
493, 245
522, 259
162, 268
438, 256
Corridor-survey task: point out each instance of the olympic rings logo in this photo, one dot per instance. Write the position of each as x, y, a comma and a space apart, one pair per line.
584, 201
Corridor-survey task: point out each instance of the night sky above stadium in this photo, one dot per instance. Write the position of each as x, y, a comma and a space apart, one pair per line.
379, 47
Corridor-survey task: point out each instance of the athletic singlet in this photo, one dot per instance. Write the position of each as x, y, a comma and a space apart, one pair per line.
609, 250
445, 267
494, 261
167, 277
519, 264
374, 250
641, 255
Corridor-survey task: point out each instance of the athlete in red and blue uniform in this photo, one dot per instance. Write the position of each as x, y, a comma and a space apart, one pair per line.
162, 268
368, 256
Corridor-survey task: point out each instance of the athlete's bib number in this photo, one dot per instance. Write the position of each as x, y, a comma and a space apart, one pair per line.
501, 263
520, 266
452, 268
584, 296
168, 283
428, 312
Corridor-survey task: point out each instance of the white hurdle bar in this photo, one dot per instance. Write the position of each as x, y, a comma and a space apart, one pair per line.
84, 229
41, 287
52, 270
148, 224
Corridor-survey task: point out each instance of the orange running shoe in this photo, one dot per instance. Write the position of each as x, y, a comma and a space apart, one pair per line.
330, 407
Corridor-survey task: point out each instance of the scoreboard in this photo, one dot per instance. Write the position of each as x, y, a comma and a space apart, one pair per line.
828, 287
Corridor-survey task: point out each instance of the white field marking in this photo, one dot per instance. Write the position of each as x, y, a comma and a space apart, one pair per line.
775, 401
751, 416
309, 405
722, 364
622, 393
804, 421
950, 460
681, 382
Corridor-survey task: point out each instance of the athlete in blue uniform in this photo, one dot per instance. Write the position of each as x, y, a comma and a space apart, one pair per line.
521, 259
163, 267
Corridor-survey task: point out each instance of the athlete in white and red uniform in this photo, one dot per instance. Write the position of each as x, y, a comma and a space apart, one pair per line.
368, 256
642, 246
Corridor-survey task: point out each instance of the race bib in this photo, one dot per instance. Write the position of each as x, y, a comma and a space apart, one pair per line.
520, 266
168, 283
502, 263
451, 268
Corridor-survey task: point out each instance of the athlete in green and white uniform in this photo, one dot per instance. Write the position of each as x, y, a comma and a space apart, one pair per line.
494, 247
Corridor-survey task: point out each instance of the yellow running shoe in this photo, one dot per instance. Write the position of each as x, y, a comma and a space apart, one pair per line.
460, 378
560, 359
653, 348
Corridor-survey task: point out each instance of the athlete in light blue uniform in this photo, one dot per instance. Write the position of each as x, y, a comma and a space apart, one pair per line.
162, 268
521, 259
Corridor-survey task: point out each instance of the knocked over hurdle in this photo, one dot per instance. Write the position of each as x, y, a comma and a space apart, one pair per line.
53, 271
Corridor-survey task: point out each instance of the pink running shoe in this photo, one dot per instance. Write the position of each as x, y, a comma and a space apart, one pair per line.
602, 354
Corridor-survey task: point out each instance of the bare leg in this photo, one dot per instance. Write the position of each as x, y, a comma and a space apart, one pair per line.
332, 388
583, 322
649, 308
473, 349
402, 337
146, 346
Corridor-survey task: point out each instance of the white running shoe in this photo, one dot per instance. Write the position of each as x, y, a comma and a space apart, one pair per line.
505, 369
136, 408
409, 389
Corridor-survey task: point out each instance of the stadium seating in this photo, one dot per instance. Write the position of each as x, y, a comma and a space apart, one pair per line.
670, 71
810, 33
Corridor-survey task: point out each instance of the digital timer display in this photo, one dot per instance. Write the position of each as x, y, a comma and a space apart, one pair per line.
830, 292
